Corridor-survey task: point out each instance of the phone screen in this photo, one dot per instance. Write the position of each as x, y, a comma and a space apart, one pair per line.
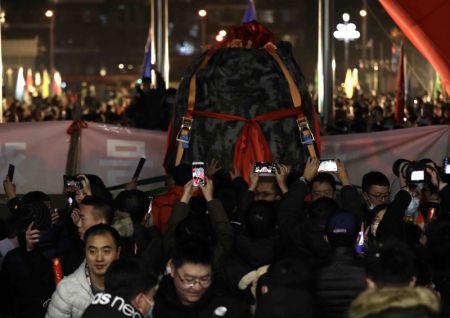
198, 173
446, 165
264, 167
418, 175
328, 165
150, 205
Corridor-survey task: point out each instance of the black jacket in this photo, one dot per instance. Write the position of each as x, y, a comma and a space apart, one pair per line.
168, 305
338, 283
301, 237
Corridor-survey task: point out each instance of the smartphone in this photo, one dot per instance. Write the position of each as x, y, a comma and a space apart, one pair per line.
417, 175
446, 165
11, 169
198, 173
360, 246
264, 168
137, 172
150, 205
327, 165
72, 183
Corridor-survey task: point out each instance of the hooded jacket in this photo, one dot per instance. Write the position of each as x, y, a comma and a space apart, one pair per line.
395, 302
72, 296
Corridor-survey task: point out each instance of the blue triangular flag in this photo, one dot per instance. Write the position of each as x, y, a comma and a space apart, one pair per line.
250, 13
147, 67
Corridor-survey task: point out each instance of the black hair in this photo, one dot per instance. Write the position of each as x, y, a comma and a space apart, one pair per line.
374, 178
260, 219
193, 226
390, 262
102, 229
133, 202
98, 187
34, 196
288, 272
321, 208
127, 277
228, 197
193, 250
324, 177
181, 174
101, 207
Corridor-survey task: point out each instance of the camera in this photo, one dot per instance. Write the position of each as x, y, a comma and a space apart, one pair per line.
413, 171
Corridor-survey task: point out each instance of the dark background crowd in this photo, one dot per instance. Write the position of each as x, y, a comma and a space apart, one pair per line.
127, 107
287, 244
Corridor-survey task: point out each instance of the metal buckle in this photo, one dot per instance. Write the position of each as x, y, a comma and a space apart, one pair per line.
306, 135
186, 125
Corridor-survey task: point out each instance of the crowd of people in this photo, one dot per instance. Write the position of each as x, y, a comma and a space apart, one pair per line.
362, 113
121, 106
287, 244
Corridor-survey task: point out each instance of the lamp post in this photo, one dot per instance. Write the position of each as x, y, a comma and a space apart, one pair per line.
346, 32
202, 14
49, 14
2, 20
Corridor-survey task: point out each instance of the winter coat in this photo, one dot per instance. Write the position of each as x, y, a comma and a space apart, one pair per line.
138, 240
395, 302
26, 282
168, 305
72, 296
302, 238
222, 232
107, 305
338, 283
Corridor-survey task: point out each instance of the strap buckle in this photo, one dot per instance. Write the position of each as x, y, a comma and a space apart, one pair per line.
306, 134
184, 134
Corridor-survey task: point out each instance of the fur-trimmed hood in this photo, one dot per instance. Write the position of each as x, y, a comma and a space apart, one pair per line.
123, 224
375, 301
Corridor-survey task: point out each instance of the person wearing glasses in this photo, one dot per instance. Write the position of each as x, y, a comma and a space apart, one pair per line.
189, 289
382, 217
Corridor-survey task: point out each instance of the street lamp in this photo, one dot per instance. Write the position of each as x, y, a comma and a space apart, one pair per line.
50, 15
346, 32
202, 14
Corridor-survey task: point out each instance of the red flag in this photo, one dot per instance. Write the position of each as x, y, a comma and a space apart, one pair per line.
400, 96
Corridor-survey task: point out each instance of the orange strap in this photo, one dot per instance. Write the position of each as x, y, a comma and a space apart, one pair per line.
185, 133
302, 121
251, 144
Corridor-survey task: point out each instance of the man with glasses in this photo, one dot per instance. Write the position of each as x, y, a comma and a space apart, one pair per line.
189, 289
383, 217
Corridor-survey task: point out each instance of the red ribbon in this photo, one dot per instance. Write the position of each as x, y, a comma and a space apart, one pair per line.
251, 145
76, 126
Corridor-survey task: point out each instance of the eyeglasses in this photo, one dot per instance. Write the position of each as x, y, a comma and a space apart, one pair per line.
380, 196
204, 282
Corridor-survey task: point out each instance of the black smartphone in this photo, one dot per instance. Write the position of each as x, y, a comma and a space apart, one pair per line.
150, 205
264, 168
139, 168
327, 165
11, 169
